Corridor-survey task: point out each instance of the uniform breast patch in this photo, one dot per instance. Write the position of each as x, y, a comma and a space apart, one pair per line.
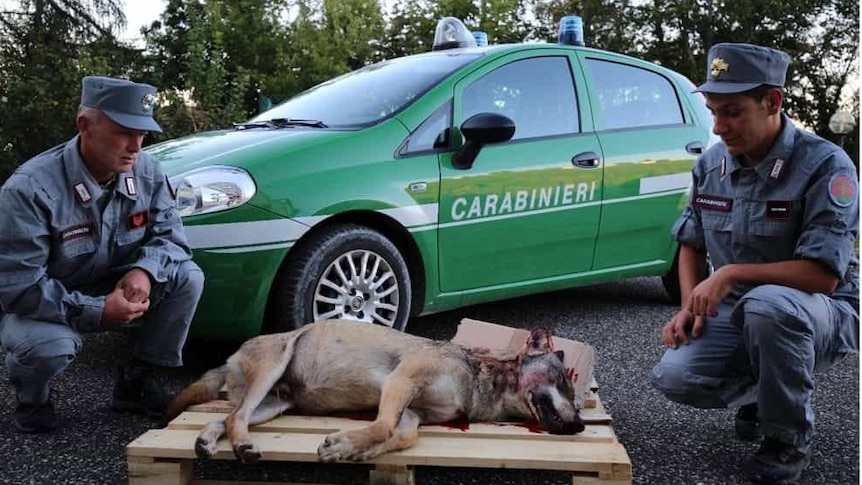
779, 209
76, 232
842, 189
139, 219
711, 202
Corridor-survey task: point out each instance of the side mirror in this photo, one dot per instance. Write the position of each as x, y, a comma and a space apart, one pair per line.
480, 130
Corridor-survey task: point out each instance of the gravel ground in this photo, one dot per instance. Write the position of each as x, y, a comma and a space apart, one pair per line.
669, 444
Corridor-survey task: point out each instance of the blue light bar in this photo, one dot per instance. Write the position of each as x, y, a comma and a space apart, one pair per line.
571, 31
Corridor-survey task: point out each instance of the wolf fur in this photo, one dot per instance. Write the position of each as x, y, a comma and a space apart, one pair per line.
338, 366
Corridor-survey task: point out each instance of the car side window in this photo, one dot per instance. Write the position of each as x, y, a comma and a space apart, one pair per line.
538, 94
631, 97
432, 134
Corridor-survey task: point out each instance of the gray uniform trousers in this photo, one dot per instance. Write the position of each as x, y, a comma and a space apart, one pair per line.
765, 349
36, 351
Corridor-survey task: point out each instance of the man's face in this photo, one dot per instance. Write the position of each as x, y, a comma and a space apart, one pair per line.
745, 125
108, 148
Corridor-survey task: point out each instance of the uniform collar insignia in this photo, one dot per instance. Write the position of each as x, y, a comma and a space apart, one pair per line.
777, 167
130, 186
723, 167
718, 65
82, 194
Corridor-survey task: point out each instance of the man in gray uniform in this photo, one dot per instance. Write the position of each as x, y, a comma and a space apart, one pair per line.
776, 209
91, 241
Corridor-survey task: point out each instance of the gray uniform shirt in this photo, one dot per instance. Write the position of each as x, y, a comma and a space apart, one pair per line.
800, 202
65, 241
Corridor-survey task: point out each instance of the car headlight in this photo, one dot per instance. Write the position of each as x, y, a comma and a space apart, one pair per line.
212, 189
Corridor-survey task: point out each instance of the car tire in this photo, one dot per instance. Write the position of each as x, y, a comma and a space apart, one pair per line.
671, 282
375, 286
671, 279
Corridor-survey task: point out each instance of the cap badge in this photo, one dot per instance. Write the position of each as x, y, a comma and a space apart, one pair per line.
147, 102
718, 65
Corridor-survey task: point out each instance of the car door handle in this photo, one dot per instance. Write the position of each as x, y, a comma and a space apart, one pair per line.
695, 148
586, 160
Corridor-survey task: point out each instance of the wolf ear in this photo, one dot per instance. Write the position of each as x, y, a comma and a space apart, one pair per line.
539, 342
560, 355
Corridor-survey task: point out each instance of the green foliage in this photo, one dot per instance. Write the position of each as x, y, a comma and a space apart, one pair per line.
821, 37
48, 47
410, 29
608, 24
412, 23
332, 37
213, 60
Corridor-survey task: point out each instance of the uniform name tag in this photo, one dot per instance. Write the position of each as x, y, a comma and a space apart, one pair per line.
139, 219
779, 209
76, 232
711, 202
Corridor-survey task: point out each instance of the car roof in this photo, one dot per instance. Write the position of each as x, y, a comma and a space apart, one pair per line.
502, 49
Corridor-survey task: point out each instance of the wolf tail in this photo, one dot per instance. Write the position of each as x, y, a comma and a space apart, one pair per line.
204, 389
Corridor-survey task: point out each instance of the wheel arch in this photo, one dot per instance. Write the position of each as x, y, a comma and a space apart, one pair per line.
385, 225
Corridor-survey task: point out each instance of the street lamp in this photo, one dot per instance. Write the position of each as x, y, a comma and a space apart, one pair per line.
841, 123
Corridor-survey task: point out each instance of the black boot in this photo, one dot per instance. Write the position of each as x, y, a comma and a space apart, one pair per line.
776, 463
33, 418
136, 391
747, 424
38, 418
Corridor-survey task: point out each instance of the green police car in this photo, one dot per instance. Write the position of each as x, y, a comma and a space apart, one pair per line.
434, 181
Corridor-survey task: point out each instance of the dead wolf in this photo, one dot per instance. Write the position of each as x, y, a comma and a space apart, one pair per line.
338, 366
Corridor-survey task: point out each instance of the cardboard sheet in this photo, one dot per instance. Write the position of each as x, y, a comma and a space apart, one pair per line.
579, 357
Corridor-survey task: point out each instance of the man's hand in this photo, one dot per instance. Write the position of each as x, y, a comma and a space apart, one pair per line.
703, 302
136, 286
708, 294
674, 331
119, 311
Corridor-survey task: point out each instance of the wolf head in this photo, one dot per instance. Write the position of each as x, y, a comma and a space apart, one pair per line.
545, 385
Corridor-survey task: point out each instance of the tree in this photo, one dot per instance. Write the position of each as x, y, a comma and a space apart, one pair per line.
49, 45
825, 64
606, 22
332, 37
821, 37
212, 59
410, 29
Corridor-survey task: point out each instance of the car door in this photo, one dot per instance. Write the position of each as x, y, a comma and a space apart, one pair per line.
524, 211
650, 141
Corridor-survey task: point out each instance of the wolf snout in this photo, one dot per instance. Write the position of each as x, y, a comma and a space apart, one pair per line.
574, 426
557, 417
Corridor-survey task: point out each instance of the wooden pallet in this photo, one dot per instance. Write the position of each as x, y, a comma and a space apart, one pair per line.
594, 457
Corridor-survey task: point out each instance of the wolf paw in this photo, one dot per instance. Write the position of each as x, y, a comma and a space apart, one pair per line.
204, 448
247, 453
335, 447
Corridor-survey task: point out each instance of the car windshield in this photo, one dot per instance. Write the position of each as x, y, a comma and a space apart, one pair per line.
368, 95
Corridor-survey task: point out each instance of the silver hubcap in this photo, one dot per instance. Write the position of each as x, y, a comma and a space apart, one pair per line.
359, 285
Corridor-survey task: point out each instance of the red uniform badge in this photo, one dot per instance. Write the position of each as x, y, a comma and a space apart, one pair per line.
139, 219
842, 189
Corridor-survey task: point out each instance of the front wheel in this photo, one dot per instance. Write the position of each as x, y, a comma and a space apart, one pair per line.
345, 271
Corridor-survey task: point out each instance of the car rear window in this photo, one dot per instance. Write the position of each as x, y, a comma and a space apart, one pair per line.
631, 97
371, 94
